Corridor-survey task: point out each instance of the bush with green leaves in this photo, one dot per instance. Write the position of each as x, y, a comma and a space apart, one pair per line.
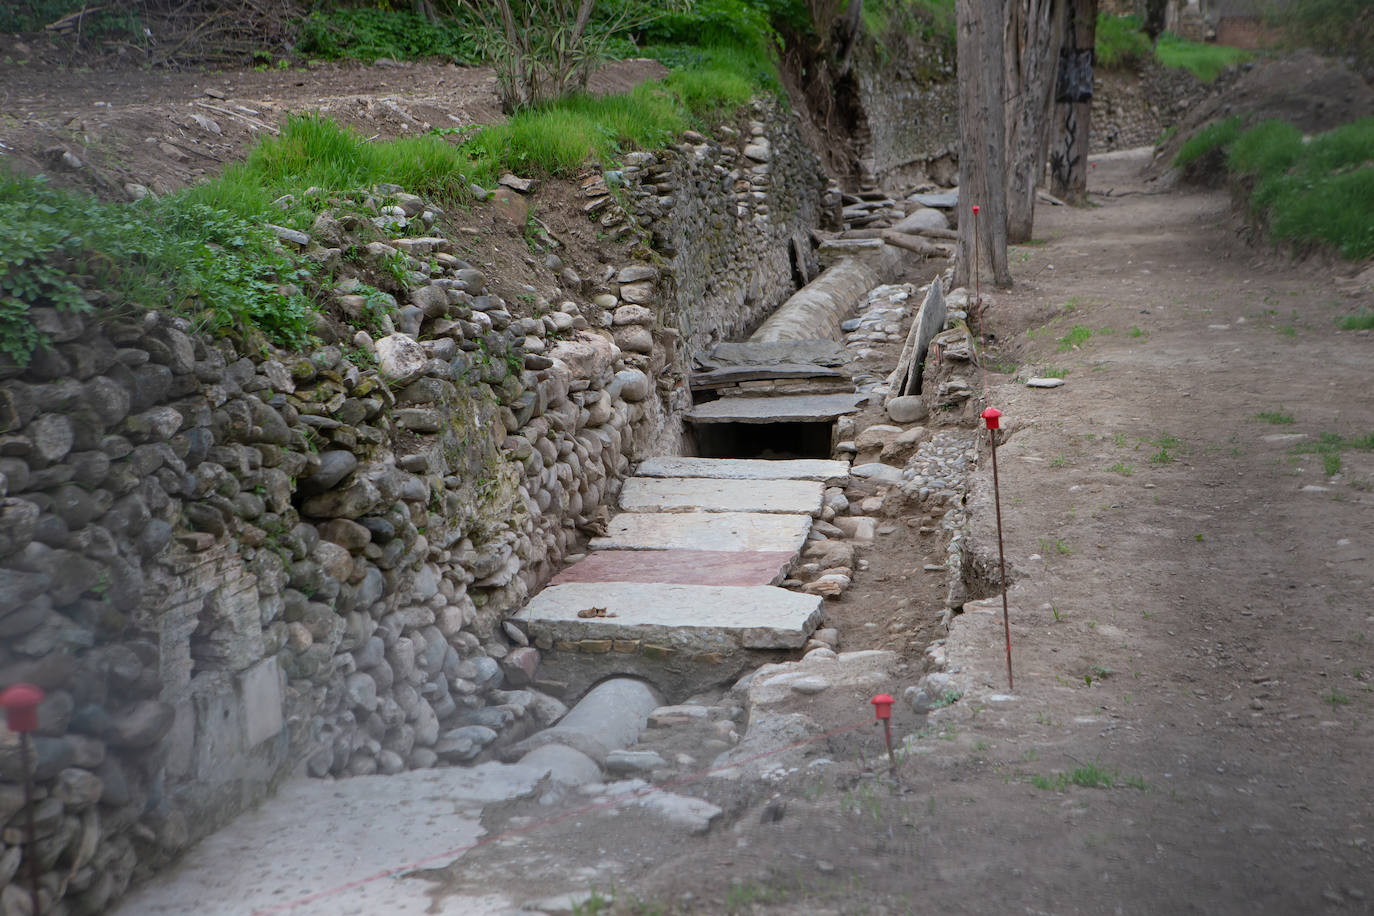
370, 33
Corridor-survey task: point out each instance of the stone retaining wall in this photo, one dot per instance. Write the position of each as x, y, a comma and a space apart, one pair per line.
227, 563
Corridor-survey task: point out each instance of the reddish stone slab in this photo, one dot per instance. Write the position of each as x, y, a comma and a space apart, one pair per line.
680, 567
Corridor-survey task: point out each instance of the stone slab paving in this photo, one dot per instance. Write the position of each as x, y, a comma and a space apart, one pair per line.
318, 836
693, 618
681, 567
705, 531
801, 408
701, 494
744, 468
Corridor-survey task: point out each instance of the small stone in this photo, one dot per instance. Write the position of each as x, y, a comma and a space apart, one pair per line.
812, 684
1044, 382
400, 358
906, 409
633, 763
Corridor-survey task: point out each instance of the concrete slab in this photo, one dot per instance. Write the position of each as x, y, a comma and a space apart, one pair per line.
692, 618
682, 567
700, 494
306, 849
744, 468
705, 531
805, 408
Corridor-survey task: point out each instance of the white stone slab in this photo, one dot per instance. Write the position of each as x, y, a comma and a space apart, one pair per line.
692, 618
699, 494
704, 531
311, 850
801, 408
744, 468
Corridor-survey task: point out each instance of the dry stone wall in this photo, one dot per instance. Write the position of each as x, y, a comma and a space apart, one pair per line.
226, 563
732, 218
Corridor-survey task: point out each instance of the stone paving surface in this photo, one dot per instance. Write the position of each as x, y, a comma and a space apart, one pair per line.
694, 618
679, 494
704, 531
744, 468
286, 863
682, 567
802, 408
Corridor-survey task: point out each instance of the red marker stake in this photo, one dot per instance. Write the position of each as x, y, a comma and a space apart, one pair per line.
20, 703
882, 708
993, 417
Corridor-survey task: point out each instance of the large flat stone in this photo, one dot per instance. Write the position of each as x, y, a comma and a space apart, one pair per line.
705, 531
744, 468
690, 618
685, 494
804, 408
682, 567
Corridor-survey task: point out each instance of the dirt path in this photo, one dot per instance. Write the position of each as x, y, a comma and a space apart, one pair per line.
1191, 615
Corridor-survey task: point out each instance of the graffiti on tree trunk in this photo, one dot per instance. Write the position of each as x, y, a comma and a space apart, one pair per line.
1065, 158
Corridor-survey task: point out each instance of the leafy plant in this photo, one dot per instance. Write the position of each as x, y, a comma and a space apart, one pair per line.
1077, 336
1277, 417
1362, 321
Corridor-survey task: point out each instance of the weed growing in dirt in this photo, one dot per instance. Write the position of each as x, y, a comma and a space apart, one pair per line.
1059, 461
1053, 372
1168, 450
1277, 417
1135, 332
1336, 698
949, 698
1362, 321
1329, 447
1089, 776
1077, 336
1121, 468
1057, 545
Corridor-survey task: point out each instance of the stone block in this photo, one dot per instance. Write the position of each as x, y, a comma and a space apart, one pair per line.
260, 692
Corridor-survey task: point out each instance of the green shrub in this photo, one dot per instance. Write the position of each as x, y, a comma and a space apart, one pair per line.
1213, 137
1120, 42
367, 34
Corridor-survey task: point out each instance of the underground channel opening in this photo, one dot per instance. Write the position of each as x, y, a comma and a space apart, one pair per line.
763, 440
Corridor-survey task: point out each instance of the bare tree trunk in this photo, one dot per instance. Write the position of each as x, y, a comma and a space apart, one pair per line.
1032, 43
982, 139
1074, 104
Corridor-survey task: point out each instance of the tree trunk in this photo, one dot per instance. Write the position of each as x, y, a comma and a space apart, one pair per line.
1032, 43
1074, 104
982, 140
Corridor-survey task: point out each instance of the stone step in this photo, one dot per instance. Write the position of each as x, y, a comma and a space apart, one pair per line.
744, 468
681, 567
800, 408
699, 494
693, 619
705, 531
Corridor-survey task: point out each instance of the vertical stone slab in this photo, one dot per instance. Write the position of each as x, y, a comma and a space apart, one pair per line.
260, 693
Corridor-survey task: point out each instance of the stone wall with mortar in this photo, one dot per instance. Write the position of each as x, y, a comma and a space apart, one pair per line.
911, 108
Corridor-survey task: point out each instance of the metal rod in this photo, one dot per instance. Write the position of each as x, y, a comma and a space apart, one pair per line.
31, 846
887, 733
1001, 552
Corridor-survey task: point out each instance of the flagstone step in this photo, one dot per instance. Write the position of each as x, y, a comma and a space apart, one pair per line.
693, 619
744, 468
699, 494
801, 408
705, 531
681, 567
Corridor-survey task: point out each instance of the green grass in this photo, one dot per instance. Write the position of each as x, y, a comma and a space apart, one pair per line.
1211, 138
1089, 776
1125, 470
1205, 61
1318, 192
1362, 321
1276, 417
178, 253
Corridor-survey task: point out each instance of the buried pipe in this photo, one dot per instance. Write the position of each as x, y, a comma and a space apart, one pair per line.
817, 309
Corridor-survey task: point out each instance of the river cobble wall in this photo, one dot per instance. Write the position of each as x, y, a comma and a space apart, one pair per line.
227, 563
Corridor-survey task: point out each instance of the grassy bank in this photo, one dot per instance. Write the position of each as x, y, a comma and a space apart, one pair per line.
1317, 190
1121, 43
